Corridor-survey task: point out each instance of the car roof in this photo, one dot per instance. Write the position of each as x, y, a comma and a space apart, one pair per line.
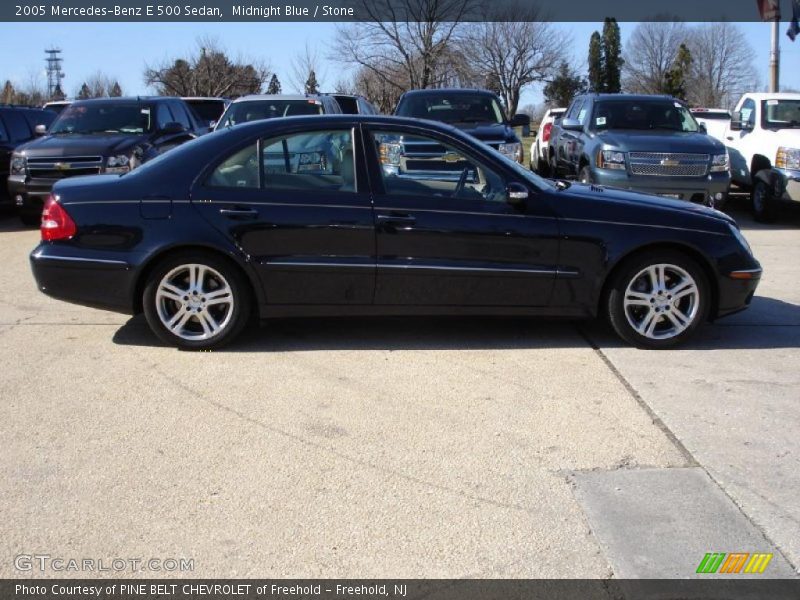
214, 98
254, 97
334, 119
638, 97
773, 95
449, 91
128, 99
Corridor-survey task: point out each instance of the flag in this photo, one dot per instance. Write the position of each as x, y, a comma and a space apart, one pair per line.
794, 27
770, 10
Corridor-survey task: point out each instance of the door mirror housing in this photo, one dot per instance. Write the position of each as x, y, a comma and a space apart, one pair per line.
702, 127
40, 129
172, 128
520, 120
737, 124
571, 125
516, 194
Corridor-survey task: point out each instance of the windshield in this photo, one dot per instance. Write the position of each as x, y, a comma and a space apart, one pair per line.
99, 117
452, 108
256, 110
207, 110
642, 115
781, 114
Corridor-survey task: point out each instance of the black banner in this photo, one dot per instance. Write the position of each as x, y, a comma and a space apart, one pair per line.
399, 589
358, 10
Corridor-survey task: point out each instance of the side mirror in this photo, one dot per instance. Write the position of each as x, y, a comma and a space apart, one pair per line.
172, 128
702, 127
212, 124
517, 194
520, 120
571, 125
40, 129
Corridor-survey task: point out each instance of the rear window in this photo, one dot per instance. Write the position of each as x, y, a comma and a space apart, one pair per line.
348, 104
452, 108
207, 110
257, 110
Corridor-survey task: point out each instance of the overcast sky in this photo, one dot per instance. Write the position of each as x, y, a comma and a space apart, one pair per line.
121, 50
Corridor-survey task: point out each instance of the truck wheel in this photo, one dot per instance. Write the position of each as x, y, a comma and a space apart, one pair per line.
658, 299
765, 205
585, 176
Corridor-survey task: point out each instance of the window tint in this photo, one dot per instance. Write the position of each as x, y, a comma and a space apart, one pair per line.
317, 160
163, 115
180, 115
238, 171
18, 129
575, 108
414, 165
103, 117
3, 132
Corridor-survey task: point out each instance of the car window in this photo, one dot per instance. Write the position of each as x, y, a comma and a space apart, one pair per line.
240, 170
256, 110
103, 117
180, 115
39, 117
310, 161
642, 114
749, 111
575, 108
782, 114
451, 107
3, 132
18, 129
163, 115
419, 165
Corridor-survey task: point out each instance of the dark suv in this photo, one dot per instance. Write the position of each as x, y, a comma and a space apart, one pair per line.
643, 143
478, 113
17, 126
105, 135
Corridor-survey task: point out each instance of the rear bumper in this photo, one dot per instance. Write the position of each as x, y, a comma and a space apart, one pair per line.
684, 188
96, 281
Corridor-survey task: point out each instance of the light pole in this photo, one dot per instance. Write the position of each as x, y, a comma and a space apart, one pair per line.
775, 58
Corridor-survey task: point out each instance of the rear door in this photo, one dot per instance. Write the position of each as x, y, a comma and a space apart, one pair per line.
446, 233
298, 205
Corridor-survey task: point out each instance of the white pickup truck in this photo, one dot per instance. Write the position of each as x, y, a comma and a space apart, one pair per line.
763, 141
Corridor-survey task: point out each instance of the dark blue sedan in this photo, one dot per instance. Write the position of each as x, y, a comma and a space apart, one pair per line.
344, 215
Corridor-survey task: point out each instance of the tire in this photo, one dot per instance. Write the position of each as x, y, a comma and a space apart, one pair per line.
204, 286
765, 205
543, 169
585, 175
649, 317
30, 219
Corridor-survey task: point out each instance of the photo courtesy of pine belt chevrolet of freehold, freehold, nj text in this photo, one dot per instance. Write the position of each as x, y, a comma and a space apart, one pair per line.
400, 299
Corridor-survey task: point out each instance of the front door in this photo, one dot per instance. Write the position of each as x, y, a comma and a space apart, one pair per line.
299, 206
446, 233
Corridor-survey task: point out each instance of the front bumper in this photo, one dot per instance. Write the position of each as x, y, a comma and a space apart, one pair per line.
684, 188
791, 184
29, 194
736, 290
90, 279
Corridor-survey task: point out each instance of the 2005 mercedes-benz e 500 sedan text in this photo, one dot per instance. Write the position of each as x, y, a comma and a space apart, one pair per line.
323, 216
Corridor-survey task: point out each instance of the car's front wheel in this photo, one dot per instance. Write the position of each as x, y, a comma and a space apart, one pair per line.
765, 205
658, 299
196, 301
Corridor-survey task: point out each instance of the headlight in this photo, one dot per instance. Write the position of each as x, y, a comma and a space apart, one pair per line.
741, 239
788, 158
720, 163
512, 151
118, 164
390, 157
19, 164
610, 159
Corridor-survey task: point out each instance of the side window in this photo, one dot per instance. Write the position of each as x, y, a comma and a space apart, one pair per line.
180, 115
239, 170
310, 161
419, 165
18, 129
3, 132
583, 113
749, 111
163, 115
574, 108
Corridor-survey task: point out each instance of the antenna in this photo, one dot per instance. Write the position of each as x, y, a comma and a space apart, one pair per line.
54, 73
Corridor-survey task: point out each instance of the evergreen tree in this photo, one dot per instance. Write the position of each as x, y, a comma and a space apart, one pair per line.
274, 86
85, 93
311, 83
596, 80
612, 56
564, 86
115, 91
675, 78
58, 93
9, 94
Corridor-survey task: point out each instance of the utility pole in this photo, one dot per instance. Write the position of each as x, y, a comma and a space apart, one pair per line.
775, 58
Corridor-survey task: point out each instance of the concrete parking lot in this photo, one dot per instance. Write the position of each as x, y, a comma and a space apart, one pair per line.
401, 448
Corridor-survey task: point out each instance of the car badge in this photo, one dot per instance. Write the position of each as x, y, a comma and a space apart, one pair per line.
668, 162
61, 166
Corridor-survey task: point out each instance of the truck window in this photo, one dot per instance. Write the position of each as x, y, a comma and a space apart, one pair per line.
782, 114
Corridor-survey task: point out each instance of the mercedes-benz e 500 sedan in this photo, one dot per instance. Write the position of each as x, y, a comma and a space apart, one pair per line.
325, 216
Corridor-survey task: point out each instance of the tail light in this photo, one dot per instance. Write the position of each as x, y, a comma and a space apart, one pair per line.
546, 132
56, 222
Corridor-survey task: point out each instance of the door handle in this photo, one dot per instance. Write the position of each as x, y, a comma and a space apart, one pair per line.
729, 138
407, 219
239, 213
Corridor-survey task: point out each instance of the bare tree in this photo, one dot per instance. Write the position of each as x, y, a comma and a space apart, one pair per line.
99, 84
209, 72
303, 65
650, 54
401, 43
513, 53
33, 91
722, 65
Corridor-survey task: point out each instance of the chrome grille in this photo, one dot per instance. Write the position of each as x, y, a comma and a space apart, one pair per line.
59, 167
669, 164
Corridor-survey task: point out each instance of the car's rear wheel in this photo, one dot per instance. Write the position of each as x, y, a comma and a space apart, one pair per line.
765, 205
196, 301
658, 299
